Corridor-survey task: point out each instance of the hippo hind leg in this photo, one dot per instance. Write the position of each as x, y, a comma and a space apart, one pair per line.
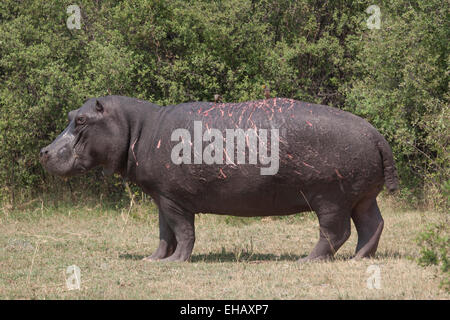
369, 225
335, 229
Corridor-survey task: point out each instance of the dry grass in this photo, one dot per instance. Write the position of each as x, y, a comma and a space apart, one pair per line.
233, 258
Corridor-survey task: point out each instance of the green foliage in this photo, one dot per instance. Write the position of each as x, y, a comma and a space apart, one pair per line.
176, 51
434, 243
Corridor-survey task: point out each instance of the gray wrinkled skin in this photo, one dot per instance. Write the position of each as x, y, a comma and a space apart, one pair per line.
330, 161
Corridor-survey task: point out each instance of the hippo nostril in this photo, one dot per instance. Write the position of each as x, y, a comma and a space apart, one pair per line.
43, 152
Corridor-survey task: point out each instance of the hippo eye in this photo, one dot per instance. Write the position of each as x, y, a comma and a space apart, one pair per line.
80, 120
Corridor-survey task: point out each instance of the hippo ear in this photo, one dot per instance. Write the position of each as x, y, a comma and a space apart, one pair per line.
71, 115
99, 106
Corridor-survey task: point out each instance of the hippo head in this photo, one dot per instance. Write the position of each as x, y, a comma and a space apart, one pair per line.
94, 137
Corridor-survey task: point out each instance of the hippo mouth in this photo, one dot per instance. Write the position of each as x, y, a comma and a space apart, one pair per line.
59, 168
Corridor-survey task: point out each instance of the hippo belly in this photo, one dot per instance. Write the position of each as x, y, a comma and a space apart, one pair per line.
267, 200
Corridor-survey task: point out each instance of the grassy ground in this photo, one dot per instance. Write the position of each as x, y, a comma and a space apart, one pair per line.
234, 258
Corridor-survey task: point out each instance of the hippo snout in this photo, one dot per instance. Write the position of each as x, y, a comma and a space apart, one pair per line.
43, 155
48, 153
58, 158
59, 153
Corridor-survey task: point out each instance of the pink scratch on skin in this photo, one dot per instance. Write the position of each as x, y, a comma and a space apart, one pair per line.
338, 174
207, 111
242, 113
247, 142
167, 166
132, 150
298, 172
250, 117
226, 154
290, 156
267, 108
159, 144
308, 165
309, 123
223, 174
272, 110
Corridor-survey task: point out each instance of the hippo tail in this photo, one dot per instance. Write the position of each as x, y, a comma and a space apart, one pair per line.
390, 173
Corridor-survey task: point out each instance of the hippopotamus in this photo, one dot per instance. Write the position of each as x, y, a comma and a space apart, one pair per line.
268, 157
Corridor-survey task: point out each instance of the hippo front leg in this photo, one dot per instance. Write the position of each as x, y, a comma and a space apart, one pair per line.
181, 223
167, 240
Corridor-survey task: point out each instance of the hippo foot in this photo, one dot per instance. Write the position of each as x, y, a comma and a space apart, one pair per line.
174, 258
158, 256
165, 249
182, 253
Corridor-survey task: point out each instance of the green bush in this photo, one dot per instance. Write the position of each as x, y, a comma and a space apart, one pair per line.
434, 243
400, 85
